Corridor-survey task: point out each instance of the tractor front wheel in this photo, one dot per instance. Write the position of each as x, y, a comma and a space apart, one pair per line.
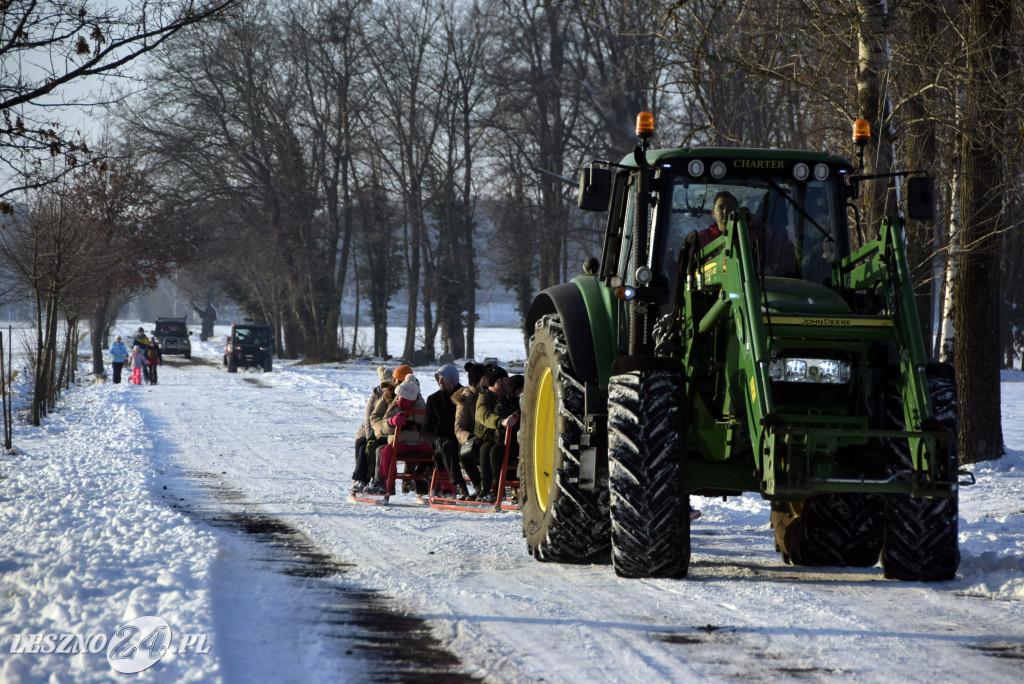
921, 542
650, 516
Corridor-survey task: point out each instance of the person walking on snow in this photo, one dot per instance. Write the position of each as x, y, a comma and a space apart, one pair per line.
142, 342
138, 363
154, 358
118, 355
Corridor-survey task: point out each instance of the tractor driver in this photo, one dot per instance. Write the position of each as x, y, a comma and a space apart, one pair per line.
775, 244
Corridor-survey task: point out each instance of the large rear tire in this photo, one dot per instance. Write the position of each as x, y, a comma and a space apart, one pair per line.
650, 517
921, 542
561, 522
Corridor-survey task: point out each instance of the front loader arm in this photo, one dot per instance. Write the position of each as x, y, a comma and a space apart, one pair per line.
731, 267
883, 263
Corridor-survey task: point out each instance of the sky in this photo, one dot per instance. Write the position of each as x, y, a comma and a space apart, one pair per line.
214, 507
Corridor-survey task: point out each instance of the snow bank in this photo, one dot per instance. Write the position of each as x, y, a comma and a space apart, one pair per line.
88, 544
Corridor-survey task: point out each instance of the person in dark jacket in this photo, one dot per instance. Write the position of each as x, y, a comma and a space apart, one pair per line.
142, 342
494, 413
154, 358
439, 427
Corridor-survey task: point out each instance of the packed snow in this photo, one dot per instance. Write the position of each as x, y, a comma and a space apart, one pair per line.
216, 504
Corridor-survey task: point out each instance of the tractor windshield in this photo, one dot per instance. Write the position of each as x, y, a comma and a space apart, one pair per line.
794, 225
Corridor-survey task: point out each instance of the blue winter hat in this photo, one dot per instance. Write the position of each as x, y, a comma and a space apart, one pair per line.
450, 373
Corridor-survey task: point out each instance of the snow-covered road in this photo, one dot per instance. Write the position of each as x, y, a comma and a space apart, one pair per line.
120, 507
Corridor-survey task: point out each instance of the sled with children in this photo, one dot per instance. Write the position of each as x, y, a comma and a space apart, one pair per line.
458, 445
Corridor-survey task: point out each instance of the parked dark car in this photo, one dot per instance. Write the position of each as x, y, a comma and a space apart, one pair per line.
250, 345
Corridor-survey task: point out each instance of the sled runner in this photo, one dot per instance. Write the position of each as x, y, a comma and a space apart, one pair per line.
506, 485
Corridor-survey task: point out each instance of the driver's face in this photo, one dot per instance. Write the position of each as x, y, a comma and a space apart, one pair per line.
723, 207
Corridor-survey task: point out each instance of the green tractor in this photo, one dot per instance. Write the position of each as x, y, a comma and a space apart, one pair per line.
758, 350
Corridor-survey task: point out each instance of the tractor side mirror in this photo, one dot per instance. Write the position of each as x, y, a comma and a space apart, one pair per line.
595, 189
920, 198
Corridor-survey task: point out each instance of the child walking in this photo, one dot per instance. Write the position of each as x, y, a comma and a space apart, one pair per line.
138, 363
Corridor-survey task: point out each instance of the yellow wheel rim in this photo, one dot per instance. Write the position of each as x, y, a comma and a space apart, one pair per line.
544, 439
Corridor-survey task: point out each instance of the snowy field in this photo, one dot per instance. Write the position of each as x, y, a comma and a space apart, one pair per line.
217, 504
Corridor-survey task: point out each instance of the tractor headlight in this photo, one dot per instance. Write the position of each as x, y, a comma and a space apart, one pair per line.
828, 371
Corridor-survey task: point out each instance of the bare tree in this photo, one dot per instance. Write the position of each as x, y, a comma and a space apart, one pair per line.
46, 248
229, 115
135, 237
333, 76
47, 46
378, 253
538, 122
403, 59
625, 60
464, 96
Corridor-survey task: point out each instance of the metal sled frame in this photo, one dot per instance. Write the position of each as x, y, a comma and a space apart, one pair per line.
504, 503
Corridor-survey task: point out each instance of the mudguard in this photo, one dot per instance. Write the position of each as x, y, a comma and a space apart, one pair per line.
587, 315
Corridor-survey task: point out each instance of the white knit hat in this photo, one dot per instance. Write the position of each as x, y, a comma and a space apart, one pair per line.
409, 389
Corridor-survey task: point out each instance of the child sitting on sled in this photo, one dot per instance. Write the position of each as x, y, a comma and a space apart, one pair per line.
407, 398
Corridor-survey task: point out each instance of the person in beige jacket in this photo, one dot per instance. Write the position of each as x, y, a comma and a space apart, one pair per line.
464, 399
